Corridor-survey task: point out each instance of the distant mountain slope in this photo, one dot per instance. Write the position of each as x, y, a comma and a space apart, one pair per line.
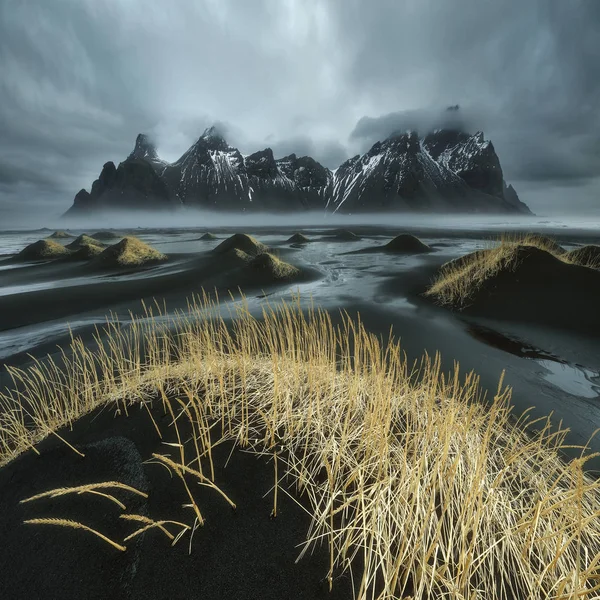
444, 171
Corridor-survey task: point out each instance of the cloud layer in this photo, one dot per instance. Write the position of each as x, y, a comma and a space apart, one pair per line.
80, 78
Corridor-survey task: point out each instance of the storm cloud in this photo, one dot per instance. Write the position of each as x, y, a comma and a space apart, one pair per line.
80, 78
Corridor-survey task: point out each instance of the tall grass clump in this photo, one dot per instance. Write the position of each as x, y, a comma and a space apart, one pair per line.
415, 485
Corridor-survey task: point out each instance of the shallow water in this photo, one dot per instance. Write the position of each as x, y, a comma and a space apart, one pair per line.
376, 284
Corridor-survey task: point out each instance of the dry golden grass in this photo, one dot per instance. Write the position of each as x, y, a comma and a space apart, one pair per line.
75, 525
585, 256
129, 252
459, 280
90, 488
433, 492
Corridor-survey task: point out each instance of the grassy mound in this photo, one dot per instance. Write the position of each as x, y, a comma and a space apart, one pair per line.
413, 484
237, 257
60, 235
129, 252
271, 267
82, 241
522, 281
208, 236
298, 238
586, 256
86, 252
43, 250
406, 244
105, 235
241, 241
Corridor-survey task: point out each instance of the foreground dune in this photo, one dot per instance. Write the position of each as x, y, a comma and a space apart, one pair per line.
532, 279
414, 486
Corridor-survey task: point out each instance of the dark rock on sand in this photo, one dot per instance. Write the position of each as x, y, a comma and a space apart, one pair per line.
241, 241
42, 250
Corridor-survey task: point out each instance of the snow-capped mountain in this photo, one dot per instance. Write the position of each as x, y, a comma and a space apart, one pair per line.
445, 170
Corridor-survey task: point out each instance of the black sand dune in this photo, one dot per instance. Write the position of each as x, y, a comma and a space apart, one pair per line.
129, 252
42, 250
84, 240
208, 237
298, 238
401, 244
241, 553
241, 241
105, 236
539, 288
60, 235
587, 256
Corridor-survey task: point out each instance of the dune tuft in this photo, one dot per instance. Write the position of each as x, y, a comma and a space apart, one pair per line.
83, 240
586, 256
129, 252
43, 250
519, 281
269, 265
60, 235
298, 238
407, 244
105, 235
241, 241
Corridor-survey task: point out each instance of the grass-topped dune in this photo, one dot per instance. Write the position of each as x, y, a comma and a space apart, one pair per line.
42, 250
529, 279
129, 252
298, 238
411, 484
404, 243
84, 240
586, 256
60, 235
241, 241
208, 237
105, 236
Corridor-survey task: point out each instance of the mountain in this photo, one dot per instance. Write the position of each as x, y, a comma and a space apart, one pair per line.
447, 170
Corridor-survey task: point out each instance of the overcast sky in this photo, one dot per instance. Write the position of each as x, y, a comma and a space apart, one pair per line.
80, 78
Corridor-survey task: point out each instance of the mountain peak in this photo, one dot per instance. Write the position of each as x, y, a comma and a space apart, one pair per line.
144, 148
213, 139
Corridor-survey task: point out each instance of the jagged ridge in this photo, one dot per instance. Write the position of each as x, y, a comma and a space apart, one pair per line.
445, 170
